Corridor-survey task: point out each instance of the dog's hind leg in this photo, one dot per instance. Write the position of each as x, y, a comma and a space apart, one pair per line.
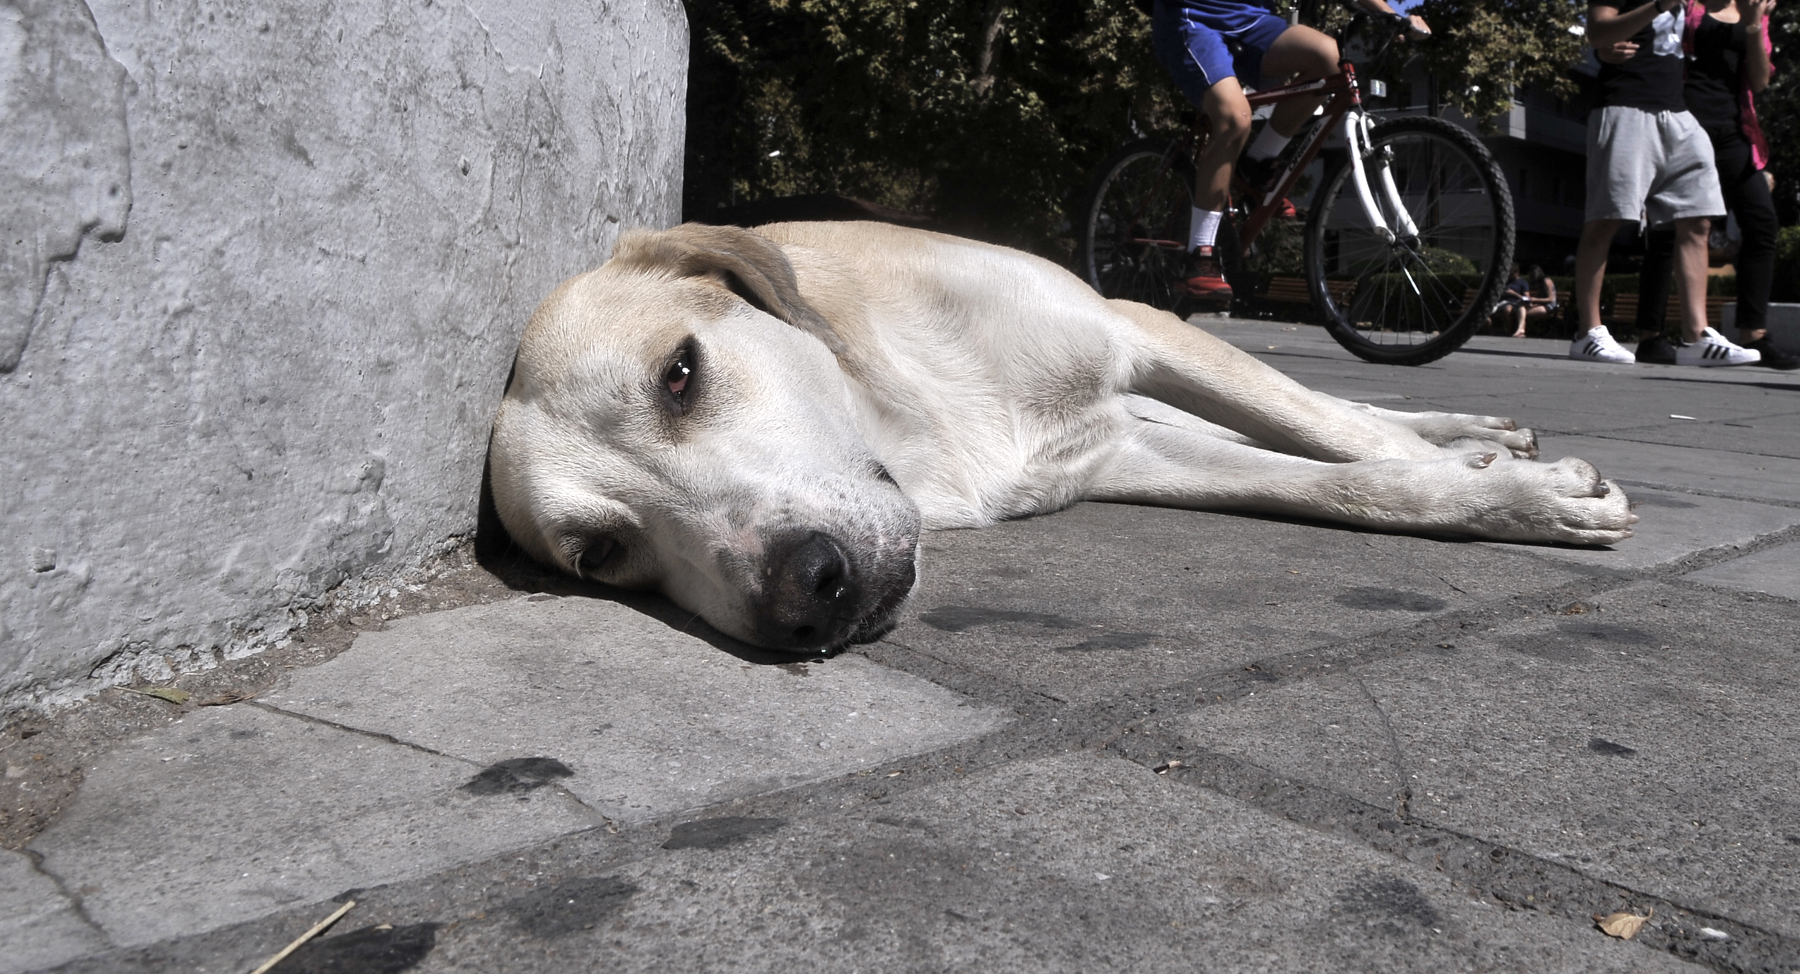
1178, 364
1471, 494
1459, 429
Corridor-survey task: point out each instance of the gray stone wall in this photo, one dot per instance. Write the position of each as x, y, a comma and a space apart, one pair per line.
263, 270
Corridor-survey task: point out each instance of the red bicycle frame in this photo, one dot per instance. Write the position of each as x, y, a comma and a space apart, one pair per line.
1344, 96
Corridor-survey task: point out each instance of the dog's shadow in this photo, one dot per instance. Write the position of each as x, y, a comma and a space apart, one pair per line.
496, 553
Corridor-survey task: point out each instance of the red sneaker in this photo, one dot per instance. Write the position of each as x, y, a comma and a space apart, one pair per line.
1204, 278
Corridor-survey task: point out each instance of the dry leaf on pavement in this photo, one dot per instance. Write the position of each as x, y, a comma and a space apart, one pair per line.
1623, 925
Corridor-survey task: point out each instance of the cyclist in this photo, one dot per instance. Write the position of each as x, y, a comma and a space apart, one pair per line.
1216, 49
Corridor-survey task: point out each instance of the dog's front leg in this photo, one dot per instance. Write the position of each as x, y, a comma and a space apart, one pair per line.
1185, 367
1471, 494
1458, 429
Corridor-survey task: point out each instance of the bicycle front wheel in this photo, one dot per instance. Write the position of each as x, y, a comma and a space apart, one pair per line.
1131, 232
1405, 294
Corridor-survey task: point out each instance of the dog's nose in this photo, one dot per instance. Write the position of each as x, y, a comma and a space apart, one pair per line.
812, 592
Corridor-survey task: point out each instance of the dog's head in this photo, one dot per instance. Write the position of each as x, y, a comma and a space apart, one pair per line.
677, 420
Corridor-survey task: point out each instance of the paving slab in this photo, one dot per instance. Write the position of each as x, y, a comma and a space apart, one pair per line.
1752, 436
1101, 599
647, 719
1768, 479
1672, 525
234, 812
1775, 571
39, 926
1532, 381
1648, 741
1077, 863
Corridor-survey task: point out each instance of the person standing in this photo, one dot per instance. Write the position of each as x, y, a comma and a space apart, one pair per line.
1727, 45
1647, 159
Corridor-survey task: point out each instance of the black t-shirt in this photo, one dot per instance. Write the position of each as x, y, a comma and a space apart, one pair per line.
1651, 80
1713, 76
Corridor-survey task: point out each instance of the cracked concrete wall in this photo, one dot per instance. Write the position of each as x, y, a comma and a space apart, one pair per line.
264, 266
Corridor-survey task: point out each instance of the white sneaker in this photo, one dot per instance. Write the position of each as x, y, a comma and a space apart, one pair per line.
1598, 346
1714, 349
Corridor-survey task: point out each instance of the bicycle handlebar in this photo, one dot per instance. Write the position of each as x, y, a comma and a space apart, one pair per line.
1361, 18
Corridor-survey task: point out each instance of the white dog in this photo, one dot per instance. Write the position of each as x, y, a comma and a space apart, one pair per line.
760, 423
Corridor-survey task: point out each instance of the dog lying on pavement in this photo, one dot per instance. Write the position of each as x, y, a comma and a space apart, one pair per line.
761, 423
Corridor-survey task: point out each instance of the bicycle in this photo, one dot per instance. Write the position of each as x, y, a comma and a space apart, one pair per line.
1407, 240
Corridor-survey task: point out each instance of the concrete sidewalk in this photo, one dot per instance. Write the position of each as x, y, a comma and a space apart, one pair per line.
1113, 739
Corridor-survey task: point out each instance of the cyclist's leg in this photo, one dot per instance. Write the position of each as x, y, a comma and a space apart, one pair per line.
1306, 55
1199, 60
1228, 114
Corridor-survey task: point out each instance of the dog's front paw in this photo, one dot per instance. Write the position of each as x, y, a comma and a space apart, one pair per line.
1518, 444
1451, 429
1566, 501
1523, 443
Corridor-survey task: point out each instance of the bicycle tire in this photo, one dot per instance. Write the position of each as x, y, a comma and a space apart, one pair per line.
1412, 302
1134, 197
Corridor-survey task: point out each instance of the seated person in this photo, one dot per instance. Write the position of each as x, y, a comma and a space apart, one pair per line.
1514, 302
1540, 303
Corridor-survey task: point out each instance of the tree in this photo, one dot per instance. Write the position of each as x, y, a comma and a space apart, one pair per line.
1485, 50
989, 115
1777, 108
984, 115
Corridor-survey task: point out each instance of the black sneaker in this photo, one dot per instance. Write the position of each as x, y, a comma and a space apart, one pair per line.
1656, 351
1773, 358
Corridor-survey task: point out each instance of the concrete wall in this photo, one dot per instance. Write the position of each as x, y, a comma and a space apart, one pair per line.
263, 270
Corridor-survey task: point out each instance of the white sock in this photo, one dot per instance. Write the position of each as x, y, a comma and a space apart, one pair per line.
1203, 228
1269, 144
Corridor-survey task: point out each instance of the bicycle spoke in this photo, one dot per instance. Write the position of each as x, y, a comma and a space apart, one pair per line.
1416, 298
1135, 225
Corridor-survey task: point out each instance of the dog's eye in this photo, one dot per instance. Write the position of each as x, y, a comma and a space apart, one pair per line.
677, 376
595, 556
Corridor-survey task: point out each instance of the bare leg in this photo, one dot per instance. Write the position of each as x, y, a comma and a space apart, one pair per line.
1229, 116
1590, 268
1307, 55
1690, 263
1519, 329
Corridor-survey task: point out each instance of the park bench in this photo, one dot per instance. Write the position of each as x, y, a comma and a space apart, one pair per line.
1293, 290
1625, 310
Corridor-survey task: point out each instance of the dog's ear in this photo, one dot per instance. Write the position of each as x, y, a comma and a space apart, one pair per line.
751, 266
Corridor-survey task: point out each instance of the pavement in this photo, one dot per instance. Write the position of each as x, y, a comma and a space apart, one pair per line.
1112, 739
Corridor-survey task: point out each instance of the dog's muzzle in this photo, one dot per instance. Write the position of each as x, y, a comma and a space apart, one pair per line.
816, 595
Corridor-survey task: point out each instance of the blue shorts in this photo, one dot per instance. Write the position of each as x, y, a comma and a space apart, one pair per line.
1200, 42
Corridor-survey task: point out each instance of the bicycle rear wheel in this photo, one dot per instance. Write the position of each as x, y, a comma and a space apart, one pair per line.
1131, 230
1412, 300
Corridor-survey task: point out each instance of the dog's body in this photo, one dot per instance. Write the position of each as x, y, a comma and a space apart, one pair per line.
760, 424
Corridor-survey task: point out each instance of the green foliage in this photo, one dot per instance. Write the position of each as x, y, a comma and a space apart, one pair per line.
1441, 261
1776, 108
989, 115
1485, 49
986, 116
1786, 286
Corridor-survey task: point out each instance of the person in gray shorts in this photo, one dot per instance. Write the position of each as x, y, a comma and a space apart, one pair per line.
1647, 159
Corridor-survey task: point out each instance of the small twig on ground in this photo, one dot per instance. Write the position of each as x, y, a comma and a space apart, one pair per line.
318, 928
